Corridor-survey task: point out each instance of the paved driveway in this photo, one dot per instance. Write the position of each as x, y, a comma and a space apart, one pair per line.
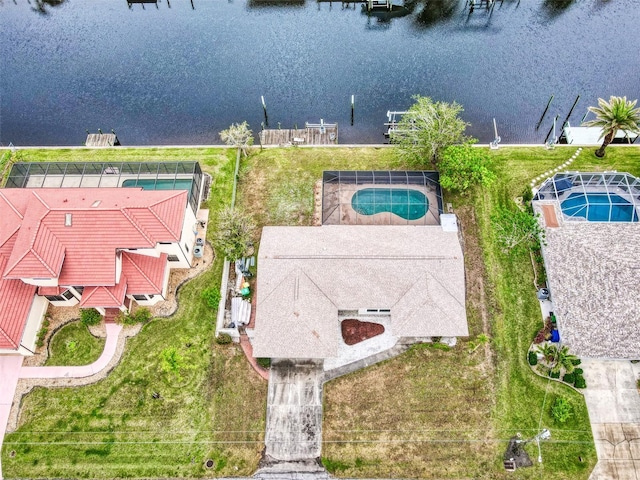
614, 409
294, 411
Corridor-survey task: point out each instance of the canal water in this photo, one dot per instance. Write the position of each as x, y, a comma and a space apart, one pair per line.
180, 72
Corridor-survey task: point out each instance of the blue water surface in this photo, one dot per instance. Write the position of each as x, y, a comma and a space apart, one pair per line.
597, 207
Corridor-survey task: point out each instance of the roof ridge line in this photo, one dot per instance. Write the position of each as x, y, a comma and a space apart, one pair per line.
12, 206
8, 338
150, 207
140, 270
135, 223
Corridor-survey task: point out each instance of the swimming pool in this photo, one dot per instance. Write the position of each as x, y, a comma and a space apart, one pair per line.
406, 203
159, 184
599, 207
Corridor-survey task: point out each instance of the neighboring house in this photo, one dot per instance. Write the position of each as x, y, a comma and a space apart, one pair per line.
96, 247
406, 273
592, 260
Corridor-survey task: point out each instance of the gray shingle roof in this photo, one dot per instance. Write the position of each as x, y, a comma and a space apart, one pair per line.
594, 275
307, 274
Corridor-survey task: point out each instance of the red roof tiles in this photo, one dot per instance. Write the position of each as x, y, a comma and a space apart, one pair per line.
74, 235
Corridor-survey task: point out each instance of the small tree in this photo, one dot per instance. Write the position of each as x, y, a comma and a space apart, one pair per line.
234, 233
516, 230
564, 360
426, 129
238, 135
463, 167
616, 114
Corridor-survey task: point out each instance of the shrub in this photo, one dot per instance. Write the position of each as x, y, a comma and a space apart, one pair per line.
527, 195
576, 361
264, 362
90, 316
140, 315
40, 338
533, 358
211, 296
569, 378
545, 332
223, 339
578, 371
171, 360
580, 382
561, 410
554, 374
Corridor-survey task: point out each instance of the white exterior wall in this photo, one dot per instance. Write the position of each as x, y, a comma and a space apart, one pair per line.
184, 249
34, 322
41, 282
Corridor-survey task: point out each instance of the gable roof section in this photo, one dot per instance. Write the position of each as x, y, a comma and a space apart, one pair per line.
11, 216
105, 297
303, 314
415, 271
145, 274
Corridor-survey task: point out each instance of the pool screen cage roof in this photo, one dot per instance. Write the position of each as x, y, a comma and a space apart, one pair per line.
106, 174
600, 189
339, 188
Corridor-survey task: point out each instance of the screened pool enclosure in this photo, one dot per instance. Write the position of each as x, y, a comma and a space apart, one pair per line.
381, 198
147, 175
595, 197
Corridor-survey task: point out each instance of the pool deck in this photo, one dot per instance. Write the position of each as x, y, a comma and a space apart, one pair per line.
339, 210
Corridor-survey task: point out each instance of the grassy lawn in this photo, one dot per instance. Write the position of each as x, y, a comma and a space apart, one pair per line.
116, 428
73, 344
431, 413
434, 413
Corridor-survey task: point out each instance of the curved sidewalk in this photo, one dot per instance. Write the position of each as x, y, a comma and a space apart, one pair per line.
111, 342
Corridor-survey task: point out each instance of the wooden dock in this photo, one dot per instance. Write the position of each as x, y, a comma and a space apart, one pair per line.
102, 140
312, 134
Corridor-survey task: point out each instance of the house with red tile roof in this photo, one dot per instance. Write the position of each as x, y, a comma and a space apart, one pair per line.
96, 247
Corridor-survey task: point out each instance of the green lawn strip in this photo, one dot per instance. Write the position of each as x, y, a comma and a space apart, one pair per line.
276, 184
214, 409
73, 344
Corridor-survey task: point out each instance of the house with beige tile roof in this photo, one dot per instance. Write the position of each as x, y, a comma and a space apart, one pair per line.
96, 247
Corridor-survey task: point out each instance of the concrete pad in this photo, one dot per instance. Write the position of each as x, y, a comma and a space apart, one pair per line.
625, 470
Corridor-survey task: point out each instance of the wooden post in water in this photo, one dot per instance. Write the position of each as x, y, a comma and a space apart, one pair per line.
544, 113
553, 127
264, 108
353, 106
570, 111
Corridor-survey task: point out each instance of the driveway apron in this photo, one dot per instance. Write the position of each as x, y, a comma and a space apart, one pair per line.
614, 410
294, 410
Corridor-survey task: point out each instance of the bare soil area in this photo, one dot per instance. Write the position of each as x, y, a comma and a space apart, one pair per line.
355, 331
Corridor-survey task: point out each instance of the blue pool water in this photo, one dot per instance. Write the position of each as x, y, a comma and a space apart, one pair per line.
599, 207
160, 184
406, 203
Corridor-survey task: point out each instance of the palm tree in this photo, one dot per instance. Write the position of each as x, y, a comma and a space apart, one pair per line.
617, 114
564, 360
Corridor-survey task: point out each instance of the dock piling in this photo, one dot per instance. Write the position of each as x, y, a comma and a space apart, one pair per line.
353, 106
553, 127
264, 108
570, 111
544, 113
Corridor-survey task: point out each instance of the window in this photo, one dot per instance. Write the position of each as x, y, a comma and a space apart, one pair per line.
186, 248
140, 297
66, 295
173, 258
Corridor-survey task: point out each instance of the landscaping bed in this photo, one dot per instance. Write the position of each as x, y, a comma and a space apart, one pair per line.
355, 331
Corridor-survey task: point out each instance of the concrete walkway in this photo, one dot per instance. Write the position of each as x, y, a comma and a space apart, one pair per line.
294, 411
111, 342
614, 409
